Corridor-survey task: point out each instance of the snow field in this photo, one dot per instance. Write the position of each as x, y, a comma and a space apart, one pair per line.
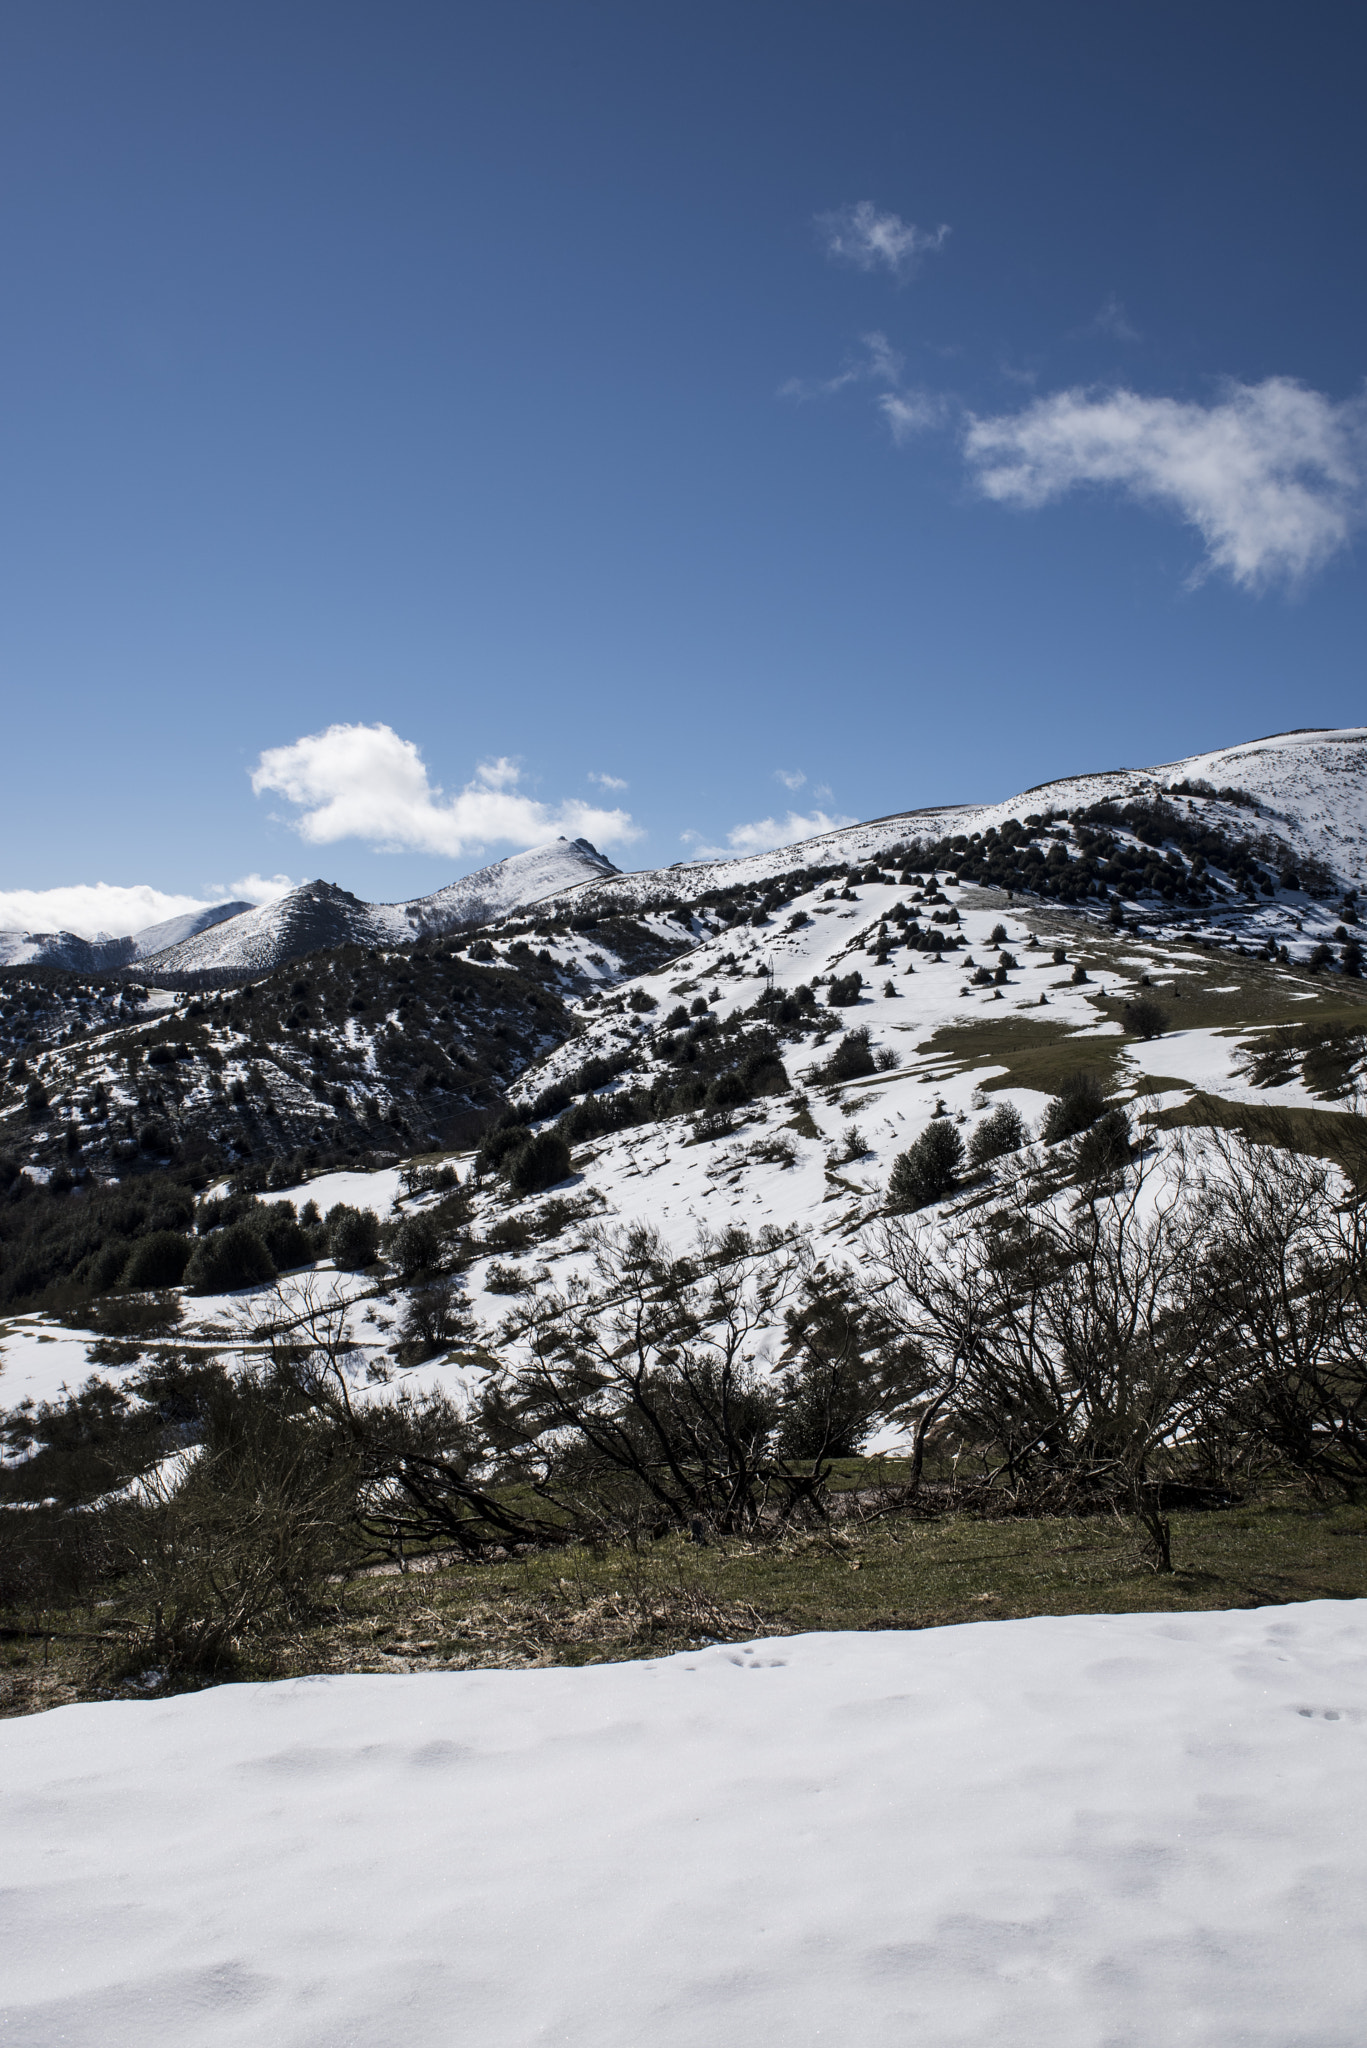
377, 1191
1124, 1830
39, 1360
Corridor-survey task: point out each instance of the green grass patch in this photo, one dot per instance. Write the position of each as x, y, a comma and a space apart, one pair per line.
898, 1572
1319, 1133
1218, 992
1265, 996
1034, 1054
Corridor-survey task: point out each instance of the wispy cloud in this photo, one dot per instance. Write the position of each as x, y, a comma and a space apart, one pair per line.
763, 834
879, 364
366, 782
1270, 476
791, 778
907, 410
871, 240
912, 412
606, 781
1111, 318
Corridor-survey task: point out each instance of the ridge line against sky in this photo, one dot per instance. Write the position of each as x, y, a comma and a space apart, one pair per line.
679, 436
107, 910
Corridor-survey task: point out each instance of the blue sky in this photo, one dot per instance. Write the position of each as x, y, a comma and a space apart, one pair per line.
653, 420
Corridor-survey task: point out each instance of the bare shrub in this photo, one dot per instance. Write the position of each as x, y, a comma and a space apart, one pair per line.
234, 1540
1286, 1262
646, 1372
1069, 1347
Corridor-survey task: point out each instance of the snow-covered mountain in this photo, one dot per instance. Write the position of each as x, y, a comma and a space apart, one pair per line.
1310, 788
1301, 795
175, 931
313, 916
319, 914
91, 956
761, 1055
512, 884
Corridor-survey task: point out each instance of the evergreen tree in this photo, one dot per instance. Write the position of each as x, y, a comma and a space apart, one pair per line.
542, 1162
1079, 1102
228, 1259
928, 1170
1145, 1017
1001, 1131
353, 1237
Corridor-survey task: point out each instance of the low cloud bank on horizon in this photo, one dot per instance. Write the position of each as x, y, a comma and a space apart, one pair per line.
110, 910
366, 782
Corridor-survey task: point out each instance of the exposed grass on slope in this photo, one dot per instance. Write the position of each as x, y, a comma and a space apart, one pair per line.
1034, 1054
1218, 993
1320, 1133
581, 1607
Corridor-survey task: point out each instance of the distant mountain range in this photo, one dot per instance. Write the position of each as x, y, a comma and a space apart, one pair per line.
91, 956
228, 1048
235, 938
1306, 791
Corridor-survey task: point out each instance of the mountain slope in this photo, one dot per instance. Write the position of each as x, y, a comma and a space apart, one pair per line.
96, 956
381, 1044
515, 883
1310, 790
318, 914
175, 931
313, 916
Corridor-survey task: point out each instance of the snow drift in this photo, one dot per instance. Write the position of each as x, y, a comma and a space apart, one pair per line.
1098, 1830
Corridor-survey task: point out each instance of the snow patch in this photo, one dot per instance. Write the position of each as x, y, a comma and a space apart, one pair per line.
1124, 1829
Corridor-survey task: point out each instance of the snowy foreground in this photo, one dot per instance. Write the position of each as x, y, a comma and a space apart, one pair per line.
1100, 1830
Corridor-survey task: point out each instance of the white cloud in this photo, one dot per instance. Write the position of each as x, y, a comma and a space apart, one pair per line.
607, 781
365, 782
791, 778
863, 236
91, 909
911, 412
107, 910
766, 833
259, 888
1270, 476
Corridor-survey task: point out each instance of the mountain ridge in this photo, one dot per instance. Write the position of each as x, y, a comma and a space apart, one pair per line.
244, 937
1315, 826
320, 914
98, 955
1305, 788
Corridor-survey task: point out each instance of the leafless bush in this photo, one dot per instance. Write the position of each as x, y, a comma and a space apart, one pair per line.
1068, 1345
637, 1395
435, 1317
1285, 1260
233, 1540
